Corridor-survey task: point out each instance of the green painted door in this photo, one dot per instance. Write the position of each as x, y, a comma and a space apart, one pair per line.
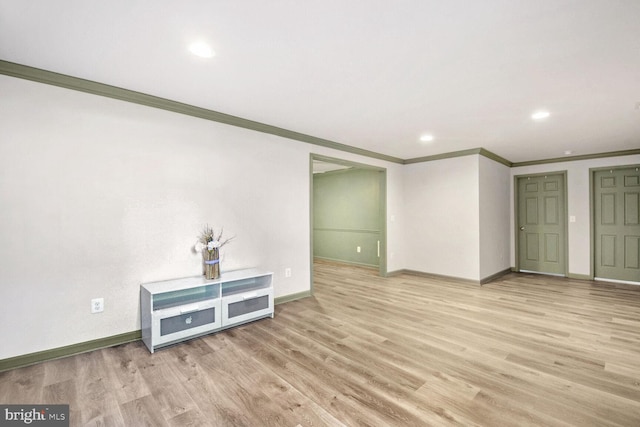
541, 224
616, 224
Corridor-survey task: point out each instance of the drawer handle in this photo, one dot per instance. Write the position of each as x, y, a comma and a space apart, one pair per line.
189, 309
249, 296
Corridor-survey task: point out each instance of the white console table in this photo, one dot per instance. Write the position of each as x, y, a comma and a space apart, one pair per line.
176, 310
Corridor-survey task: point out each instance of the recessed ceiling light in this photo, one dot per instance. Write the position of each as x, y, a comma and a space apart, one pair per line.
426, 138
201, 49
540, 115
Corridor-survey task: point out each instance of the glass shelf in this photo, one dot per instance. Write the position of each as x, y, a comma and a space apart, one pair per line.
185, 296
246, 285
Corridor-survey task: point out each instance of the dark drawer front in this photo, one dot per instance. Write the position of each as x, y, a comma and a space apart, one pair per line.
248, 306
186, 321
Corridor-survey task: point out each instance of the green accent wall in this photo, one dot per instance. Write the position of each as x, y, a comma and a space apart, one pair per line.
346, 214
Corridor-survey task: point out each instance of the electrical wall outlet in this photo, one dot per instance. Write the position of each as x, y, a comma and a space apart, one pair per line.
358, 249
97, 305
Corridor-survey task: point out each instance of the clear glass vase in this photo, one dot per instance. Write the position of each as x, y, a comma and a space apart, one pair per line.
211, 260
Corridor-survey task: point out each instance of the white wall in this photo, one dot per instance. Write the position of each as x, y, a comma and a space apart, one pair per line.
396, 218
579, 232
441, 217
495, 180
98, 196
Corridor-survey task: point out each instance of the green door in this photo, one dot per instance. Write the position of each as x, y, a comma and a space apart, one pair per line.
541, 224
616, 224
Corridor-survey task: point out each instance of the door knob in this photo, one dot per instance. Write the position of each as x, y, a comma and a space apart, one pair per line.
522, 228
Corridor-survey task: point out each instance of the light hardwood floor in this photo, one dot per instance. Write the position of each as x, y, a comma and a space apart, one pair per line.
366, 350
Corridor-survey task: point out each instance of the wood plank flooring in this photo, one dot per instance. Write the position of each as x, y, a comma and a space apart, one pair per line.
366, 350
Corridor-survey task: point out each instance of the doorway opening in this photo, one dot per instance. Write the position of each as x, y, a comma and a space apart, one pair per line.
348, 212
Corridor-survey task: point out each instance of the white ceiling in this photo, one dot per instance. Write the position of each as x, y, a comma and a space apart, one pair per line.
371, 74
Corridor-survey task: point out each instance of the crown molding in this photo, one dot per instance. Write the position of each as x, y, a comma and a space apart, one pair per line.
577, 158
88, 86
492, 156
479, 151
442, 156
74, 83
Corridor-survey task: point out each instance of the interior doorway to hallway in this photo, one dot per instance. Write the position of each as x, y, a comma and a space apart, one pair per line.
348, 212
